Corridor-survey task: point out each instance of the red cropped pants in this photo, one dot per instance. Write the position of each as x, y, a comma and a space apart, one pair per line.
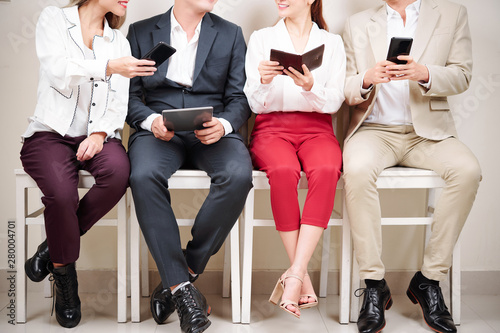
285, 143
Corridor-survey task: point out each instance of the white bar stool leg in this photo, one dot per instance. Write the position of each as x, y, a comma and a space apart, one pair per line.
247, 258
135, 284
21, 239
121, 229
325, 260
345, 268
235, 273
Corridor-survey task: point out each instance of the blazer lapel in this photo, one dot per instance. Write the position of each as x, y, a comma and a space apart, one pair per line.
425, 28
377, 32
162, 34
74, 26
207, 37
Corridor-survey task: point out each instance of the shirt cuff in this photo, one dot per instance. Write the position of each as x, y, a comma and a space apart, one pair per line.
362, 90
146, 124
228, 128
427, 85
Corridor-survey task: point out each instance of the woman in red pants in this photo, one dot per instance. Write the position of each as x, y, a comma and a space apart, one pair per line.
293, 132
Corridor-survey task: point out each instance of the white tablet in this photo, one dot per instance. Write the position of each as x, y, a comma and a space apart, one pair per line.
188, 119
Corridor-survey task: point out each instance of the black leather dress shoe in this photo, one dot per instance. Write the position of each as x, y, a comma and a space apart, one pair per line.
430, 298
36, 266
162, 305
375, 302
192, 309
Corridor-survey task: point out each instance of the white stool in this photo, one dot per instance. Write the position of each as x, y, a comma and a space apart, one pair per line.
260, 182
412, 178
182, 179
25, 218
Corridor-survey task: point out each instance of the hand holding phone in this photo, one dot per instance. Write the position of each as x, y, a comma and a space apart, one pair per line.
399, 46
159, 53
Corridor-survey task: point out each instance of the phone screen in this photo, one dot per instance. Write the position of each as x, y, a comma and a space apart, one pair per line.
399, 46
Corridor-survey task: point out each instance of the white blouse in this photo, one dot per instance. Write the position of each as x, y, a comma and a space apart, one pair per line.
282, 94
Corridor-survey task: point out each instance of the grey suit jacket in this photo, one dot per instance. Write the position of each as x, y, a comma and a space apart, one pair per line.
219, 74
442, 42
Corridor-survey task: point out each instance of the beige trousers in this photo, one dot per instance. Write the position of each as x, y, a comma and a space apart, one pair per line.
376, 147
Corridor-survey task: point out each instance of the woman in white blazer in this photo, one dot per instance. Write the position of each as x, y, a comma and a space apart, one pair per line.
293, 132
82, 102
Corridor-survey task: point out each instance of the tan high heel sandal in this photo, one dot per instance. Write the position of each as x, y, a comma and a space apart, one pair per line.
278, 292
308, 304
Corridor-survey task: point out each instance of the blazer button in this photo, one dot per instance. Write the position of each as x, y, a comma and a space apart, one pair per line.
96, 85
91, 79
90, 121
93, 104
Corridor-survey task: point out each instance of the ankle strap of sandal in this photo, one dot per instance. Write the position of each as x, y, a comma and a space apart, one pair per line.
293, 276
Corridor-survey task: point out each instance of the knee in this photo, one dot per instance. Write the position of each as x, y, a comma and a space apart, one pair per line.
146, 174
284, 173
62, 198
466, 175
115, 174
358, 174
237, 178
327, 172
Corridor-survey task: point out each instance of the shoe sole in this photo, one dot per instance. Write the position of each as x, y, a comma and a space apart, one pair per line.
414, 300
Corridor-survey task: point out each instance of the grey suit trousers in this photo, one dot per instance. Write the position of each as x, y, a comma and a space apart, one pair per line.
153, 161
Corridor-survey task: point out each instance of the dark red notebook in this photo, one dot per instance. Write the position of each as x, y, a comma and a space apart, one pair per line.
312, 59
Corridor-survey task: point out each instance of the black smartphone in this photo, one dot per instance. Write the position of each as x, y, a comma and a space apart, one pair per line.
399, 46
159, 53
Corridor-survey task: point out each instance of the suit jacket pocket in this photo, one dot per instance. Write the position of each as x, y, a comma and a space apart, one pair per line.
439, 104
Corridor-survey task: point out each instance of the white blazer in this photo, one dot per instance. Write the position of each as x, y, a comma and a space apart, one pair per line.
59, 46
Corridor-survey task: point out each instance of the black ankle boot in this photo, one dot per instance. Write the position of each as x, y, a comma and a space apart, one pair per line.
192, 309
36, 266
68, 308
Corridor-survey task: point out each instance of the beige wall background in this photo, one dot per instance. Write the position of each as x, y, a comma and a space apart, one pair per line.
476, 113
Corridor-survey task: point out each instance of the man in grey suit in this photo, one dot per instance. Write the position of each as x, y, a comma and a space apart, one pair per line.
206, 70
400, 116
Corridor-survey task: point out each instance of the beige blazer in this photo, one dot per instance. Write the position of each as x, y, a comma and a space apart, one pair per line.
442, 42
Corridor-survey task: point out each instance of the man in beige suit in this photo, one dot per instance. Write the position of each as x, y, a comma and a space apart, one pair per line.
400, 116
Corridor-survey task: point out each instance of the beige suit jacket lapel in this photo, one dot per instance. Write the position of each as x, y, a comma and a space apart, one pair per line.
425, 29
377, 32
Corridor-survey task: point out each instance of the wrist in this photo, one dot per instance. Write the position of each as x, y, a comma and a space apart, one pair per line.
101, 135
110, 68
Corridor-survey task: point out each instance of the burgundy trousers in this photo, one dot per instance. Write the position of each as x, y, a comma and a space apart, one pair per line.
50, 160
283, 144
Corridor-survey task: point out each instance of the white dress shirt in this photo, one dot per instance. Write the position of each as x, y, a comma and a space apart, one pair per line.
392, 106
282, 94
181, 64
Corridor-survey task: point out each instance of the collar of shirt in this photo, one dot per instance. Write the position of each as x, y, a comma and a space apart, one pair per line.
413, 8
181, 64
176, 28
